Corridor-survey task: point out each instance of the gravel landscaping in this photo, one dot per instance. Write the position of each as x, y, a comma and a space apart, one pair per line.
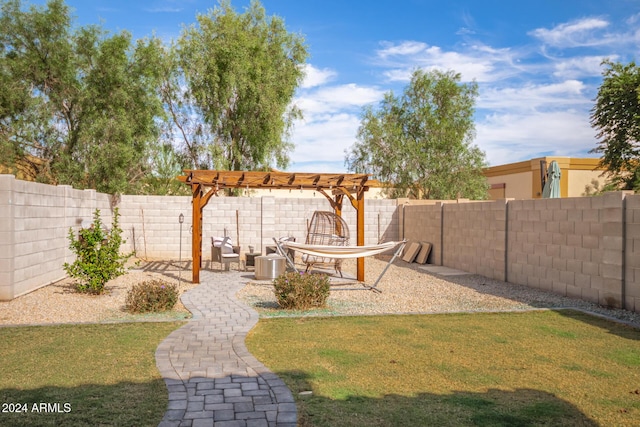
409, 289
60, 303
405, 288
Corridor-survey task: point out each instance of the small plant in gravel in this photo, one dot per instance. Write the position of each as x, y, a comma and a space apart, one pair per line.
98, 257
151, 296
300, 291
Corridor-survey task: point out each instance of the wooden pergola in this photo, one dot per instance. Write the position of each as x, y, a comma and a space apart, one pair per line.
334, 186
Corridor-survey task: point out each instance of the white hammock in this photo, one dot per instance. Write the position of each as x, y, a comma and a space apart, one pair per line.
342, 252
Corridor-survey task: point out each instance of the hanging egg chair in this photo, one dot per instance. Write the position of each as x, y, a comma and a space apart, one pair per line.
326, 228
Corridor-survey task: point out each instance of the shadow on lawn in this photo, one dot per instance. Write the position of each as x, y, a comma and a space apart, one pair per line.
122, 404
522, 407
622, 330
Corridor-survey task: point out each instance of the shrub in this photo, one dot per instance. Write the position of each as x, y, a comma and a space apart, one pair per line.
98, 257
301, 291
150, 296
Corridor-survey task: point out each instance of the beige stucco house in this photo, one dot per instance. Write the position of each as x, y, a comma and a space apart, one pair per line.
523, 180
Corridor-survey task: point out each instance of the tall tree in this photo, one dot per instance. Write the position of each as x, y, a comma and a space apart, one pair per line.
184, 127
34, 64
85, 106
419, 144
616, 117
242, 71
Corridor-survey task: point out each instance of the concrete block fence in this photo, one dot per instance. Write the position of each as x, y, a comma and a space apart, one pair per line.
34, 224
584, 247
475, 236
631, 272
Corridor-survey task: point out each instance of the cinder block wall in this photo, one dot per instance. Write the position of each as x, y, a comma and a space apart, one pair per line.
474, 236
151, 227
381, 220
7, 234
423, 223
632, 252
291, 217
34, 224
569, 246
584, 247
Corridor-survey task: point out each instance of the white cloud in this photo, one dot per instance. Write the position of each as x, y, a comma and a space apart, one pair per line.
348, 94
476, 62
334, 98
579, 67
531, 120
316, 77
331, 120
529, 96
536, 107
325, 167
507, 138
324, 139
579, 33
633, 19
398, 75
401, 49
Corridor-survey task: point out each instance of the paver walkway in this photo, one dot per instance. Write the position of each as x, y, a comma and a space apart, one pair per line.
212, 379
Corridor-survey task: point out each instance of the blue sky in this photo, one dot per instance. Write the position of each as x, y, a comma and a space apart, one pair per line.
537, 63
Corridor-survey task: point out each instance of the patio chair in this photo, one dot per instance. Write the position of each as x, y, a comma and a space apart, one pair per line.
223, 251
326, 228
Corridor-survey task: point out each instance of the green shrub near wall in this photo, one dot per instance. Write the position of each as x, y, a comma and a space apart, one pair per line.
98, 257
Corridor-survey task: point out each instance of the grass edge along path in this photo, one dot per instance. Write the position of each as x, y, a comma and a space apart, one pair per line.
533, 368
80, 375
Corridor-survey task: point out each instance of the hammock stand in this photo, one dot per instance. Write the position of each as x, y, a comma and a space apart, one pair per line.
341, 252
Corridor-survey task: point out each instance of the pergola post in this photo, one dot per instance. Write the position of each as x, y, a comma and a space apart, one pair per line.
358, 205
337, 205
360, 233
196, 234
199, 201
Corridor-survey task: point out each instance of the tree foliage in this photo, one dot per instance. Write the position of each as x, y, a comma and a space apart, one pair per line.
616, 117
241, 71
81, 103
83, 107
419, 144
166, 164
184, 129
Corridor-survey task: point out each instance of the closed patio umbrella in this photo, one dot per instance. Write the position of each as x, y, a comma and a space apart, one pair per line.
552, 184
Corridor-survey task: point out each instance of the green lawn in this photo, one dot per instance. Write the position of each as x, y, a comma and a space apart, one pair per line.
82, 375
508, 369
